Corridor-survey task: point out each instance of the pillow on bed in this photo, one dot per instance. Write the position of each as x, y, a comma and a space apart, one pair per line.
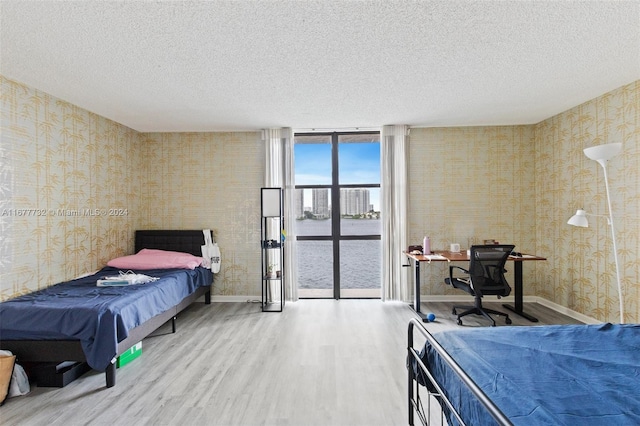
156, 259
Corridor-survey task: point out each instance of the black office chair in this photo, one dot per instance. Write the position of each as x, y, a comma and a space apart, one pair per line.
485, 276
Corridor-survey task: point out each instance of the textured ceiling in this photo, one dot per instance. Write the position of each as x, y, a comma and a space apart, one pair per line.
246, 65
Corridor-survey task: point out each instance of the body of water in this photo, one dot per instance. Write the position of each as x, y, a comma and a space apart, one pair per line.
360, 260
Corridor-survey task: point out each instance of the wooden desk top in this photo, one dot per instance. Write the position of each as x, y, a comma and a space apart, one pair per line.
447, 256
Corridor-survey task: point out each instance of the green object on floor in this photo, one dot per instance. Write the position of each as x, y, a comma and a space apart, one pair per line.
129, 355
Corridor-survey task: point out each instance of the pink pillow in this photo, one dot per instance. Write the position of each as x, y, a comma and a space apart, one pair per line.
156, 259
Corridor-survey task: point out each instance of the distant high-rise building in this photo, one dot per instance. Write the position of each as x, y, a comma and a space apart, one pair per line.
354, 201
320, 204
299, 206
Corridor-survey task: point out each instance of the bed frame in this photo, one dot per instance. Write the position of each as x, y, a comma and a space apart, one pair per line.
49, 351
433, 390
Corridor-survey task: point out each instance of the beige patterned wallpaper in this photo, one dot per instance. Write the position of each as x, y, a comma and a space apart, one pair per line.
510, 183
468, 184
75, 186
209, 180
520, 185
580, 272
69, 181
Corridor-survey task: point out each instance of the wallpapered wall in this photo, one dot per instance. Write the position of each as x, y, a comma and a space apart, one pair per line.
209, 180
580, 272
468, 184
520, 185
510, 183
69, 184
75, 186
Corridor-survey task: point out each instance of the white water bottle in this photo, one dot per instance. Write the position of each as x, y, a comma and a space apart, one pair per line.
426, 246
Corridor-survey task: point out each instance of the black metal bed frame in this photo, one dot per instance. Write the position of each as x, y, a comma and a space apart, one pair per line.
38, 351
434, 391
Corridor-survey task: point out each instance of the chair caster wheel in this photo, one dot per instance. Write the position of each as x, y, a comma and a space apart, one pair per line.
508, 320
459, 321
453, 311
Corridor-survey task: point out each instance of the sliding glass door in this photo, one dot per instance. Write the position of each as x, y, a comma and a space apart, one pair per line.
338, 223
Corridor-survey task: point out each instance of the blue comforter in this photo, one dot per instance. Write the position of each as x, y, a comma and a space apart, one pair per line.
545, 375
99, 317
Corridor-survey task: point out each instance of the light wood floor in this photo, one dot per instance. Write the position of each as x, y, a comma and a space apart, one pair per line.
320, 362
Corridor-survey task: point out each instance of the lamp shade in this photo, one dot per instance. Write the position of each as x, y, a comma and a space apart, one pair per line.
603, 152
271, 202
579, 219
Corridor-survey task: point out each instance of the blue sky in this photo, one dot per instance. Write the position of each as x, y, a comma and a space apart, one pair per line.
358, 163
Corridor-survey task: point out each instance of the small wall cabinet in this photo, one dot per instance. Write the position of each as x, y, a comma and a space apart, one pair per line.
272, 249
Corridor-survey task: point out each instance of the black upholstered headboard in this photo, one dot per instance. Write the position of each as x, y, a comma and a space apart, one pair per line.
187, 241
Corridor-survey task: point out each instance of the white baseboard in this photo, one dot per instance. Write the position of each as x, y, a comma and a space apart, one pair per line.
235, 299
562, 309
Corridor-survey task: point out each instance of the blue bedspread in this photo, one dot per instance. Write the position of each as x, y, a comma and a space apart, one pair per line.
545, 375
99, 317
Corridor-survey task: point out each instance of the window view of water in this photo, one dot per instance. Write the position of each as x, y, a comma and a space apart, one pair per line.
360, 263
348, 197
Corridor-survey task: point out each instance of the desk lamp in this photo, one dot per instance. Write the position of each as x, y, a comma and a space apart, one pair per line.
602, 154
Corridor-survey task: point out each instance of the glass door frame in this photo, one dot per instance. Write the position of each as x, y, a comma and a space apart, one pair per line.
336, 235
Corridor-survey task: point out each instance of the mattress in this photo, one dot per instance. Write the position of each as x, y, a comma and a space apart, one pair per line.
560, 375
99, 317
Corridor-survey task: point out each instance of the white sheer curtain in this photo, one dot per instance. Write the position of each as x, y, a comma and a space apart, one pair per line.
279, 173
393, 147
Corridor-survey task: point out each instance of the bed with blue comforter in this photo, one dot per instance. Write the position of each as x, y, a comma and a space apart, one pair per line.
540, 375
80, 321
99, 317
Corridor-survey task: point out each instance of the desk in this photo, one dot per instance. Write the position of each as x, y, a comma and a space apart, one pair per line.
446, 256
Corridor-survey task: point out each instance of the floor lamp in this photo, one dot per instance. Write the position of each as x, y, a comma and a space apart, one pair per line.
602, 154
